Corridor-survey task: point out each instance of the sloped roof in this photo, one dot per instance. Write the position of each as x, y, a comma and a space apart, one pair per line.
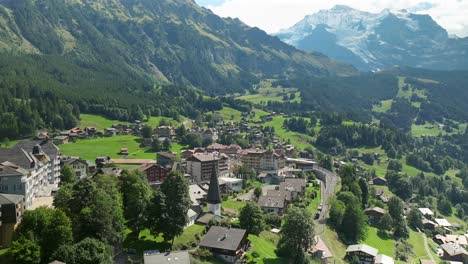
383, 259
453, 249
214, 197
223, 238
49, 148
271, 202
10, 198
363, 248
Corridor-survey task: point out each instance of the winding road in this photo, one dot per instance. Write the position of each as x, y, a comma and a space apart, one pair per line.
329, 181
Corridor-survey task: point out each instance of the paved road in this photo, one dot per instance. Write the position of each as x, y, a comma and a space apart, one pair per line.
329, 181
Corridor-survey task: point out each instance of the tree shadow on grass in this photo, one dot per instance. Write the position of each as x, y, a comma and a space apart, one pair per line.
384, 235
139, 244
275, 261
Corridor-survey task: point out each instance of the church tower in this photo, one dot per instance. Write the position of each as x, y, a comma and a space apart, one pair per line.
214, 197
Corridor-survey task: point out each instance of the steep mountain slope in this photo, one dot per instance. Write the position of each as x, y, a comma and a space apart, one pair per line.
376, 41
165, 40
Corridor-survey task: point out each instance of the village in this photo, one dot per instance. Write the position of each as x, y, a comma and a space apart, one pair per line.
269, 172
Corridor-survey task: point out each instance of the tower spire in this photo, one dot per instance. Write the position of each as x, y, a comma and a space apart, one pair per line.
214, 197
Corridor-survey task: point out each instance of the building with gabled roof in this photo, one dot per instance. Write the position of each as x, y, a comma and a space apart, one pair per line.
228, 244
11, 213
272, 204
365, 253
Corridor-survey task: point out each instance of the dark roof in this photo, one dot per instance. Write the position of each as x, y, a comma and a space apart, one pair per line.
272, 202
206, 218
214, 197
73, 160
6, 171
203, 157
10, 198
277, 193
49, 148
17, 156
223, 238
182, 257
293, 184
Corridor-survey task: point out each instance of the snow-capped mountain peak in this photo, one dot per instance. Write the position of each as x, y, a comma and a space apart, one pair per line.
373, 40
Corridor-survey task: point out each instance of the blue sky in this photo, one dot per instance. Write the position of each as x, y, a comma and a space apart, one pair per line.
273, 15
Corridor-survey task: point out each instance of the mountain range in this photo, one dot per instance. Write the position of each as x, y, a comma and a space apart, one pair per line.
163, 41
372, 41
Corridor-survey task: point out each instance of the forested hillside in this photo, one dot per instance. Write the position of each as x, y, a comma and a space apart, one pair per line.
168, 41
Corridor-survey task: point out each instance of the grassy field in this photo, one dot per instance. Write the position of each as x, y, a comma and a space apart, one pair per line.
89, 149
146, 241
297, 139
99, 122
230, 114
265, 245
337, 248
265, 93
383, 107
312, 207
416, 239
381, 241
233, 204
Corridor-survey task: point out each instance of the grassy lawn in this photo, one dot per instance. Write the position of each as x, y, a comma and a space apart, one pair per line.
312, 207
265, 93
383, 107
146, 241
97, 121
230, 114
233, 204
265, 245
89, 149
337, 248
297, 139
416, 239
426, 130
381, 241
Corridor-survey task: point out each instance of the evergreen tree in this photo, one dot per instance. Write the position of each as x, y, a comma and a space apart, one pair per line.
137, 195
251, 219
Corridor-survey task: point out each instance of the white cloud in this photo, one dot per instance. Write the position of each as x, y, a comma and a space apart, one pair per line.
273, 15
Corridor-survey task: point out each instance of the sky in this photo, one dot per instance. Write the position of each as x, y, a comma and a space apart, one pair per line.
274, 15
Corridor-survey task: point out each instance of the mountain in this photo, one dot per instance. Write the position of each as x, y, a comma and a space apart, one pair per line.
375, 41
165, 41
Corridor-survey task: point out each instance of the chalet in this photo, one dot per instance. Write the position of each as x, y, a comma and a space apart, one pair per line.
60, 140
91, 167
11, 213
442, 222
428, 224
165, 158
297, 187
228, 244
454, 252
365, 253
384, 198
165, 131
232, 184
383, 259
155, 173
101, 161
123, 151
110, 131
320, 250
272, 204
187, 153
379, 181
280, 193
182, 257
374, 214
210, 135
90, 131
461, 240
426, 212
80, 167
42, 135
